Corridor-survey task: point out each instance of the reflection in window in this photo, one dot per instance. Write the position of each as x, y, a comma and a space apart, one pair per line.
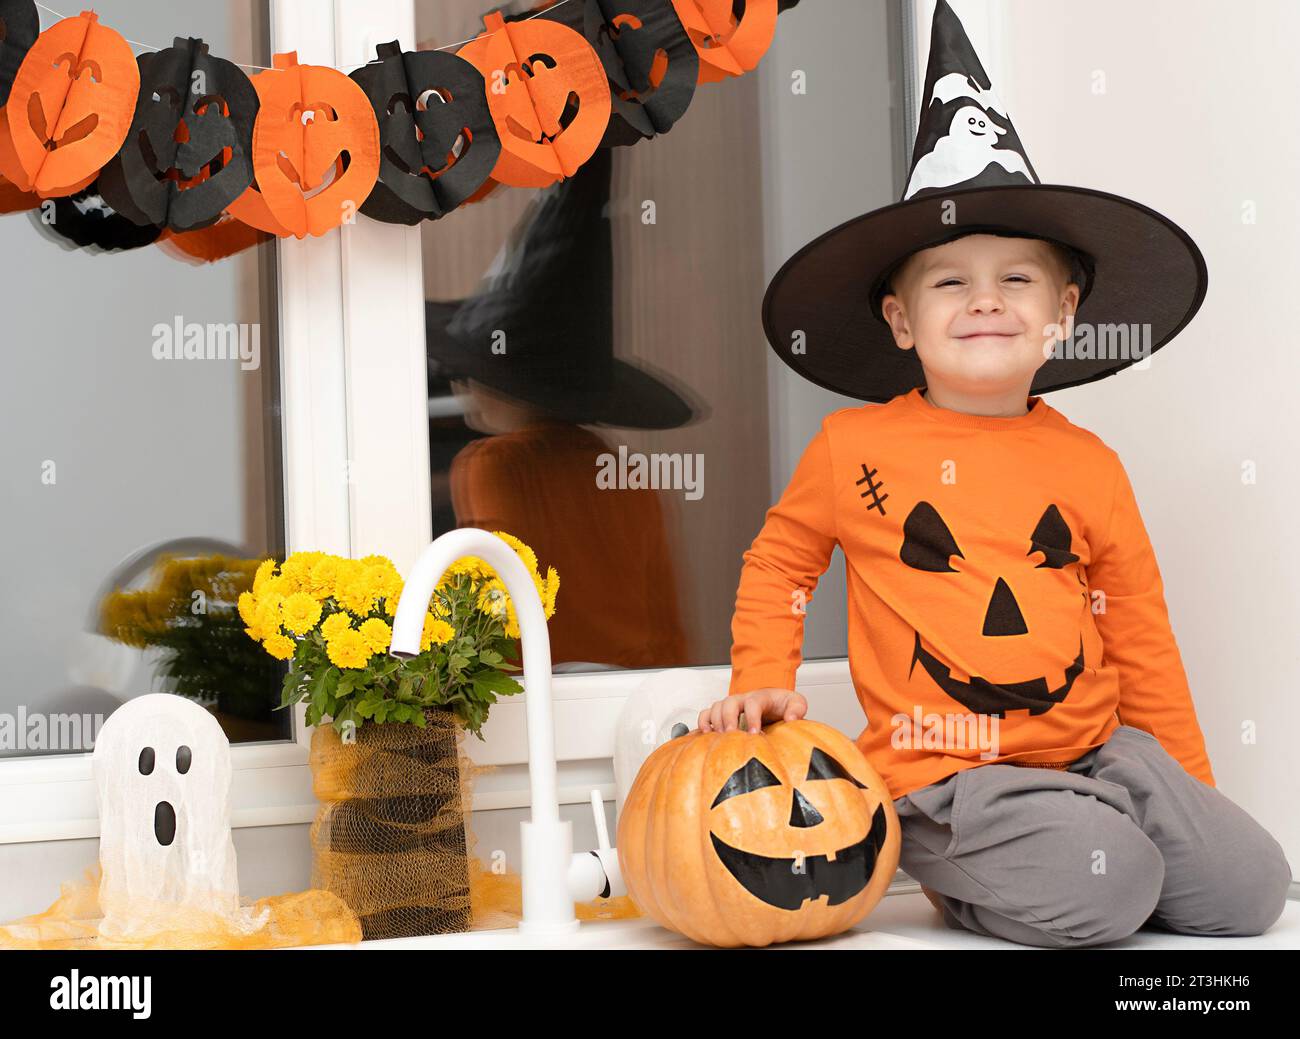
140, 455
599, 380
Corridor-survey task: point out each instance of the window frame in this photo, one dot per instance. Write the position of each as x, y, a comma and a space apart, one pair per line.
354, 404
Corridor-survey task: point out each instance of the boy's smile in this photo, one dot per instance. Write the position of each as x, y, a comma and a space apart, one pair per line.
979, 310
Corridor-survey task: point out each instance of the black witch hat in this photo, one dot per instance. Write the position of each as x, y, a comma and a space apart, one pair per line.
970, 175
540, 328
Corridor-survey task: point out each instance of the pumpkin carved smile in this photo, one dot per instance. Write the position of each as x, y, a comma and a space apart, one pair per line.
787, 883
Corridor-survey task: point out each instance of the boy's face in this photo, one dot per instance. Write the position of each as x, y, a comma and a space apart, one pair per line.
981, 310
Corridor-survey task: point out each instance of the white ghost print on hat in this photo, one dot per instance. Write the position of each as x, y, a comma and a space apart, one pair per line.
162, 776
964, 136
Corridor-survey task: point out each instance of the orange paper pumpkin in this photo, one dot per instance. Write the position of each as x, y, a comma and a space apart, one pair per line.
315, 150
738, 838
727, 45
548, 94
71, 104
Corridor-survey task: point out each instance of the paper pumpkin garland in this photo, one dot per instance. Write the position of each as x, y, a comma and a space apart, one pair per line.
315, 149
438, 143
650, 61
548, 95
728, 45
179, 140
20, 24
188, 154
71, 103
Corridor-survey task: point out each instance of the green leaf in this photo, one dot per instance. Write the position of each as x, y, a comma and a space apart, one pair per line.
496, 682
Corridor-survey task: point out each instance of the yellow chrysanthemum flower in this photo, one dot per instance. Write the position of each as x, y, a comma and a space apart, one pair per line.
298, 567
435, 630
269, 615
378, 635
551, 590
335, 623
525, 553
247, 606
348, 649
301, 612
265, 570
324, 576
279, 646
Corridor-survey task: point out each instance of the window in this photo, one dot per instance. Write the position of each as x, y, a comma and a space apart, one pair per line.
140, 421
600, 384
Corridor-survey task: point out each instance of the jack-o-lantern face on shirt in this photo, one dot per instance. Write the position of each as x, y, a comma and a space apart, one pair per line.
1030, 611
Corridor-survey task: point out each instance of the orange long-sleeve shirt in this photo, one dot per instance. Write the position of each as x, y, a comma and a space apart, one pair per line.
1003, 595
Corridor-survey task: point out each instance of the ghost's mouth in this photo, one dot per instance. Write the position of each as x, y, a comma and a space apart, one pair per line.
164, 823
996, 698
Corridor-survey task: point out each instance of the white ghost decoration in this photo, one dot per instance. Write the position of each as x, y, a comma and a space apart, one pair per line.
162, 776
964, 153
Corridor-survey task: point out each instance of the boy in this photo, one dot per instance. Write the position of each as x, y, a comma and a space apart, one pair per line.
1008, 636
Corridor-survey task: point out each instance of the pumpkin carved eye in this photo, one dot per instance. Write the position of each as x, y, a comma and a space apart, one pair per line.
822, 766
752, 775
927, 541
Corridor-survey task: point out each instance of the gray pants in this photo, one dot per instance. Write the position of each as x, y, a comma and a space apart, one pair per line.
1123, 838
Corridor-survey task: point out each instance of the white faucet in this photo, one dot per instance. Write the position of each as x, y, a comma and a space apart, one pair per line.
553, 876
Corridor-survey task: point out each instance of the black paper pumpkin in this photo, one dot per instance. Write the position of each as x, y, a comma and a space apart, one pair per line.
19, 26
84, 219
188, 154
438, 143
650, 61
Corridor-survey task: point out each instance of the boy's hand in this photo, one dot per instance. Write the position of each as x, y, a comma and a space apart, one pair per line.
760, 705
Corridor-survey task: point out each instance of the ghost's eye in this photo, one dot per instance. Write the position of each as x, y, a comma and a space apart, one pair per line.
183, 759
146, 761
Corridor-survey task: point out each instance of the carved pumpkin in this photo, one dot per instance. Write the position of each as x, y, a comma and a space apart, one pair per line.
548, 95
728, 45
439, 144
315, 150
71, 103
736, 838
188, 153
650, 61
20, 24
1048, 595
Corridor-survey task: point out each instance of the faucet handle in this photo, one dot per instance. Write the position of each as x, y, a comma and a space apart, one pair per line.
598, 811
